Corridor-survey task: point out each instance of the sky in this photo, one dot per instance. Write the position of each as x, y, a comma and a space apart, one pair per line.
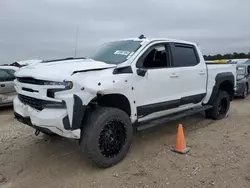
47, 29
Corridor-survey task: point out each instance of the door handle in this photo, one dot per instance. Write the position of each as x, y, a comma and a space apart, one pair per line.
202, 73
2, 85
174, 75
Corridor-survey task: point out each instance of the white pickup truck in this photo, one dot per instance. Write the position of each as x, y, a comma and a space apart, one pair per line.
127, 85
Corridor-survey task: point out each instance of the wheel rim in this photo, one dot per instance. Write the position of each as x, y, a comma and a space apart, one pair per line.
223, 106
112, 138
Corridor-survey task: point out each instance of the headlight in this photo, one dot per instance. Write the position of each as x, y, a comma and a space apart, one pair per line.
51, 92
67, 84
239, 77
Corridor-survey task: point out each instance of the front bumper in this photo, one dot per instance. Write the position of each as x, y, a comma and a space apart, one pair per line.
240, 87
52, 119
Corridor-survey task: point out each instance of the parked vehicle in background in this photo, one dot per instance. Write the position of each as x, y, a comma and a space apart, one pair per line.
243, 77
127, 85
26, 63
7, 90
239, 61
221, 61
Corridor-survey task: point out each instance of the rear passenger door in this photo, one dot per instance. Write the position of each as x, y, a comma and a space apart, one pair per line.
192, 73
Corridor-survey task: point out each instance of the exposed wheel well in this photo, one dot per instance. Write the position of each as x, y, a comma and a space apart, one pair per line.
228, 87
116, 101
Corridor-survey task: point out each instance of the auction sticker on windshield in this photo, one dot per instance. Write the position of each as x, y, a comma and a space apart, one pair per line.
121, 52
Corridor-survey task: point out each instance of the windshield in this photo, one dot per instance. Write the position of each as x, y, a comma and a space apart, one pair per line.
116, 52
10, 71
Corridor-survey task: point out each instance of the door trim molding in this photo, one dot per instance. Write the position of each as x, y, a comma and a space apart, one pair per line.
192, 99
145, 110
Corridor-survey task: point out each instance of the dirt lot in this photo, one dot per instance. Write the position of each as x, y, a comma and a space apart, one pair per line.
219, 157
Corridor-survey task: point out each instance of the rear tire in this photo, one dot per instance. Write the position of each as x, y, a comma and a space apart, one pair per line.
220, 106
106, 136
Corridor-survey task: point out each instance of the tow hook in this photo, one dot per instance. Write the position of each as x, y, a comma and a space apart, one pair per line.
37, 132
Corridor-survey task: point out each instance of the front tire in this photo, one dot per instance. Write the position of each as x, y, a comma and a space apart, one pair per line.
220, 106
106, 136
245, 93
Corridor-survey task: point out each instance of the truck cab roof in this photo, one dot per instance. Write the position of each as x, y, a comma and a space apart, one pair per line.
149, 40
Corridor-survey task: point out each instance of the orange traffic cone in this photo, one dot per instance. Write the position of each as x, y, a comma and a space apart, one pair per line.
180, 146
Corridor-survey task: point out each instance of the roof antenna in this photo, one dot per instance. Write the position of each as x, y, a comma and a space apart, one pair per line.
76, 40
142, 37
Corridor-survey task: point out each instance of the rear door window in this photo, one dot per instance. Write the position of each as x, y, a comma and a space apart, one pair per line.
184, 55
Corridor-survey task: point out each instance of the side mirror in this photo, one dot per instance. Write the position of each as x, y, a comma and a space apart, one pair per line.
141, 72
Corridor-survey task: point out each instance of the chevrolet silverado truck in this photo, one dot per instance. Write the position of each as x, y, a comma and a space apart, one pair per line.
126, 85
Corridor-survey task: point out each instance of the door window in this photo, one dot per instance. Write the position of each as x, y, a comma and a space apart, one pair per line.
184, 55
155, 57
6, 76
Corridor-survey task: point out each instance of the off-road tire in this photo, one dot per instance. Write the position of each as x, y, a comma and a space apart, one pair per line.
92, 130
245, 92
218, 112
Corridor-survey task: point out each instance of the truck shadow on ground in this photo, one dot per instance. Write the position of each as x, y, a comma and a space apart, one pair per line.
6, 110
55, 154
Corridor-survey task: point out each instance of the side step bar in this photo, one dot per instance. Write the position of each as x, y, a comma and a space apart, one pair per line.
140, 126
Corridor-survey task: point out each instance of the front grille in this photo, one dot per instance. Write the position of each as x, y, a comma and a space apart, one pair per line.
38, 104
29, 80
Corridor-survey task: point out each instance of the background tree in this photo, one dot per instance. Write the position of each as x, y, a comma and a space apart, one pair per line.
234, 55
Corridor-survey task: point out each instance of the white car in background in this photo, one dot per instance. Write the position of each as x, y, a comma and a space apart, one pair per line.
7, 90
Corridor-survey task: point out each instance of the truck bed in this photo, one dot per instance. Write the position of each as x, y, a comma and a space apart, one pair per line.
213, 70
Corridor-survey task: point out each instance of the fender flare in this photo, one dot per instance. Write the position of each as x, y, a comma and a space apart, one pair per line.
219, 79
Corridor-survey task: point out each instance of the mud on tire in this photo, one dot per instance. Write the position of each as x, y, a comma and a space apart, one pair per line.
220, 106
106, 136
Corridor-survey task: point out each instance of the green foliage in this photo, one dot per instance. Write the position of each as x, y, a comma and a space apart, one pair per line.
227, 56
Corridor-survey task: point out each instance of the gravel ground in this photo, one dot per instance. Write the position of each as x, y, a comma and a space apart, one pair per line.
219, 157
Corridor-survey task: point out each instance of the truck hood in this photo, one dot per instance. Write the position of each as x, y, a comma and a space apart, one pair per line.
60, 70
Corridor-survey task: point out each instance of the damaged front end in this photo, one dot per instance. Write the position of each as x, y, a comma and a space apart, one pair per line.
51, 106
59, 98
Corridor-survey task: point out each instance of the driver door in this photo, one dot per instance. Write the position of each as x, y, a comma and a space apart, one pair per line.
158, 89
6, 82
